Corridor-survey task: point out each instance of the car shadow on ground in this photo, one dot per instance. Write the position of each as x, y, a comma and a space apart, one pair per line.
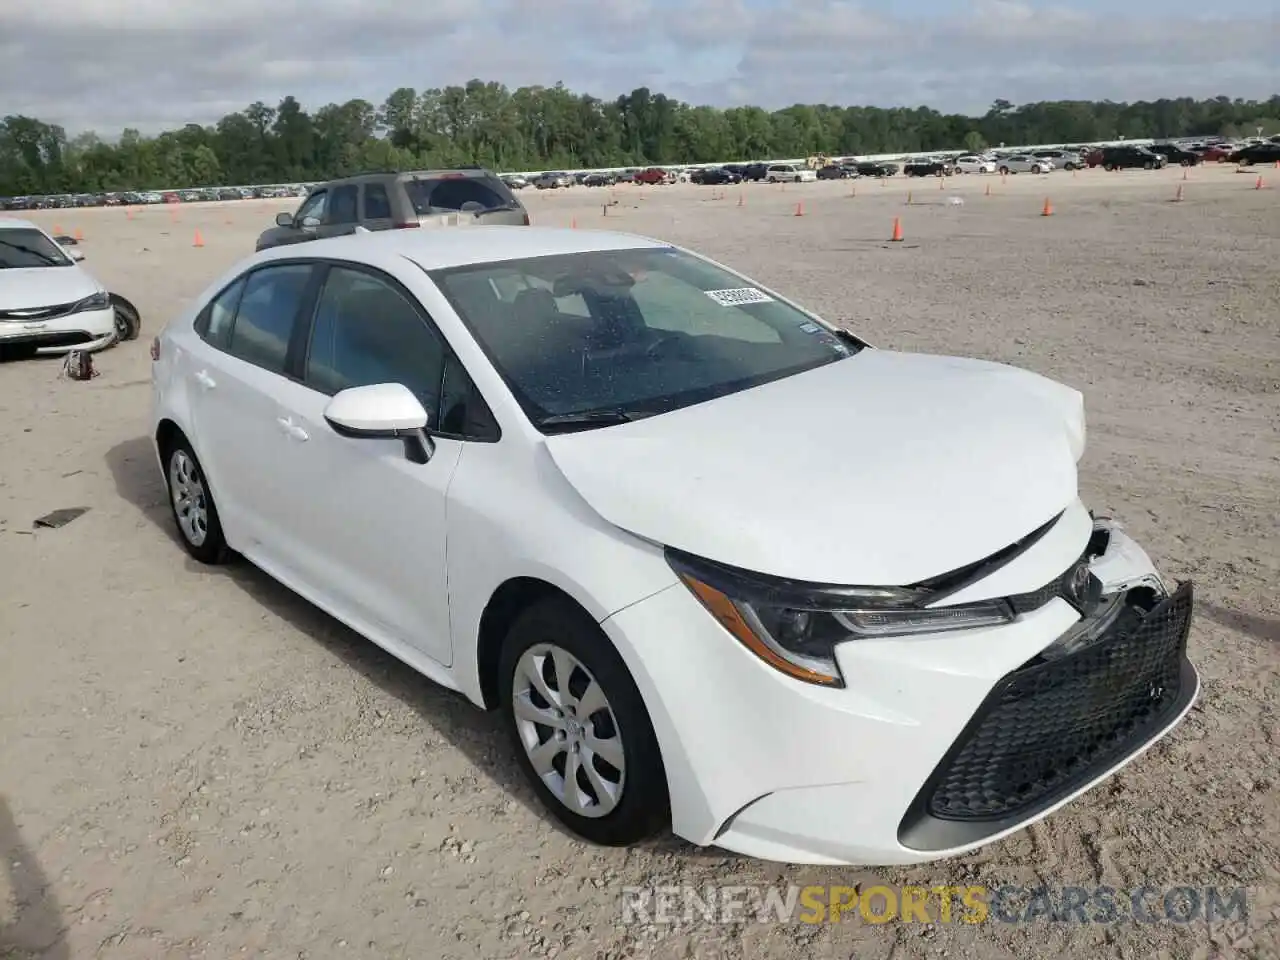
1252, 624
37, 928
476, 733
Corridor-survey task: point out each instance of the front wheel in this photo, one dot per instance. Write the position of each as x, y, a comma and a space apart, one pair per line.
1004, 171
128, 322
579, 726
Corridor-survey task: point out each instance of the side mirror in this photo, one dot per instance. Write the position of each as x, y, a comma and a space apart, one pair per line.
382, 411
309, 223
284, 219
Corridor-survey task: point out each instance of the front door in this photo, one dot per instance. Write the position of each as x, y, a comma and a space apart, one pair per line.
370, 523
341, 212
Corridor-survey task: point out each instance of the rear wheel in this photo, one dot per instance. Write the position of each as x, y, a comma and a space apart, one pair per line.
192, 505
579, 726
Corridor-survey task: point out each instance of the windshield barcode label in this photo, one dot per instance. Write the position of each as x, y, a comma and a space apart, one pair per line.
734, 298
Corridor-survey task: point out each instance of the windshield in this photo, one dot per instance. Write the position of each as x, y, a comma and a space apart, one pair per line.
630, 333
25, 247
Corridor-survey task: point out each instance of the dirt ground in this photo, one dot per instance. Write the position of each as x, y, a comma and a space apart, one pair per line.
196, 763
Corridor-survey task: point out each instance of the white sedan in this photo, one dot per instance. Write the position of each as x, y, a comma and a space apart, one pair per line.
48, 302
1025, 163
718, 563
974, 164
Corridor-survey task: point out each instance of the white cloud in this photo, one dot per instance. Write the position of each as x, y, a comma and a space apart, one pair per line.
153, 64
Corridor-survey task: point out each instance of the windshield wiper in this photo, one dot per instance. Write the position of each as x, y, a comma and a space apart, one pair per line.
586, 419
31, 251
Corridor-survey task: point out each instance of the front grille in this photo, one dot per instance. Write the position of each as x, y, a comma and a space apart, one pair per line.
1051, 726
36, 314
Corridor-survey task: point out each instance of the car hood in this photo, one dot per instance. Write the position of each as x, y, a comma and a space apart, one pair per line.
882, 469
27, 288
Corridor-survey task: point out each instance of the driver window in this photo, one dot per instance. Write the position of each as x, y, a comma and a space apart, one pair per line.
312, 207
367, 332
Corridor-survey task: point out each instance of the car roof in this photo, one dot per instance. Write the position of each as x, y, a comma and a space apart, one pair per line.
13, 223
435, 248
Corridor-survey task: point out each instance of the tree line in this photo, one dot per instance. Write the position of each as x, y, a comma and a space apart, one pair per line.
551, 127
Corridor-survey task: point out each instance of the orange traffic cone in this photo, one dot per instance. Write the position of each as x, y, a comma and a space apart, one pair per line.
573, 224
1177, 197
799, 210
1184, 173
897, 231
942, 183
1258, 185
199, 240
908, 198
57, 230
79, 234
128, 213
1048, 208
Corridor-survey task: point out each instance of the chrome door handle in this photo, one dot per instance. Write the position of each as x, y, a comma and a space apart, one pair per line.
291, 429
205, 380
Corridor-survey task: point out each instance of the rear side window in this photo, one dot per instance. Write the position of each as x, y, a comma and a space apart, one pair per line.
265, 318
377, 206
342, 205
451, 194
214, 324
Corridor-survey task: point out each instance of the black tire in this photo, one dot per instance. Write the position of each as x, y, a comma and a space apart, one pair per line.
645, 807
212, 549
1004, 171
128, 322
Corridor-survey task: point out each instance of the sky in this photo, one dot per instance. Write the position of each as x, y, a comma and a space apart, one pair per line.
157, 64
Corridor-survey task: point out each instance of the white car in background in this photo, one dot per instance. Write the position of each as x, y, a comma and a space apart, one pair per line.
973, 164
790, 173
48, 302
718, 563
1025, 163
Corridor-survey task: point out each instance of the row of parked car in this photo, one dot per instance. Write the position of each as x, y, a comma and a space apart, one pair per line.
1119, 157
139, 198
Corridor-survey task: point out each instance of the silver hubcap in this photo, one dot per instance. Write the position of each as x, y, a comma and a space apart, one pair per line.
568, 730
187, 490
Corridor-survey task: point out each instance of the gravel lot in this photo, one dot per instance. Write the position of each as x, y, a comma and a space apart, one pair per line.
196, 763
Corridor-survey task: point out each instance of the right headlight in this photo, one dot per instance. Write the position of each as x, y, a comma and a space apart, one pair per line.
795, 626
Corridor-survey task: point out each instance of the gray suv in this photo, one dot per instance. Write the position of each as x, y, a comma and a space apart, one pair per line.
389, 200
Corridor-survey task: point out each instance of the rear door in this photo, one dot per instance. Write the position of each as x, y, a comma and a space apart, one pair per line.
239, 435
375, 206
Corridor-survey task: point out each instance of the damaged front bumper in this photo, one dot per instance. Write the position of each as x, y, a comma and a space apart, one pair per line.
939, 743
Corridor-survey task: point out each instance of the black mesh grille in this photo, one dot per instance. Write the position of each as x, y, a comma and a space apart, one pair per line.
1052, 725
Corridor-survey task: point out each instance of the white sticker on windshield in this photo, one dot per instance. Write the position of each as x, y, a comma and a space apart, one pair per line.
739, 296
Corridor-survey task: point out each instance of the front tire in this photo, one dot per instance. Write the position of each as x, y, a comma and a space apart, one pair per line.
192, 506
579, 726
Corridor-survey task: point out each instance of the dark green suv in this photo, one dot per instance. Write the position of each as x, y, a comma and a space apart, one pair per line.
390, 200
